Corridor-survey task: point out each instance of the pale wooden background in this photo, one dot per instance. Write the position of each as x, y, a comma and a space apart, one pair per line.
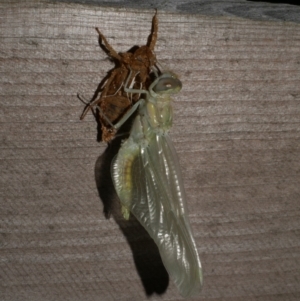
236, 130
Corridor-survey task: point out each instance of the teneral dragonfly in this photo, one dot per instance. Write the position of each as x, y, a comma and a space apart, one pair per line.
147, 178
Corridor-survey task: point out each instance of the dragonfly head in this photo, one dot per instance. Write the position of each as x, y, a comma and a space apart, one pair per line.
167, 83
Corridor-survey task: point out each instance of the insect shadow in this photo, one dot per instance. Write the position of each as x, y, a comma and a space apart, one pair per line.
150, 268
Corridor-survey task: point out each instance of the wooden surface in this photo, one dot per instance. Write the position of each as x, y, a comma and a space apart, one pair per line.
237, 134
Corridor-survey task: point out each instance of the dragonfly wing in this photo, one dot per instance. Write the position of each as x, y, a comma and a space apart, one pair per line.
157, 200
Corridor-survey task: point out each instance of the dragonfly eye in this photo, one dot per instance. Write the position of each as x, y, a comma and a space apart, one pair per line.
168, 85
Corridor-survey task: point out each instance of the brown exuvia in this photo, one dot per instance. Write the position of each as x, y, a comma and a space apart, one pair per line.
113, 101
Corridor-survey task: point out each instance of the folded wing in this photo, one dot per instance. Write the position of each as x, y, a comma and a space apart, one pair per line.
157, 200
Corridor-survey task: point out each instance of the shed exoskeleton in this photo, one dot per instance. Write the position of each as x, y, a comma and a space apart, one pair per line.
114, 102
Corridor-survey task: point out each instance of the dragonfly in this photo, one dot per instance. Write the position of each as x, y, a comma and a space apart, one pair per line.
114, 102
148, 182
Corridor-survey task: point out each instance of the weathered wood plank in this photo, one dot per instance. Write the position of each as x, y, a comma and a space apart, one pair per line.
237, 133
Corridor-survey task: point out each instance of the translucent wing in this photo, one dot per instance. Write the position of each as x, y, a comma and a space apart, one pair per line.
148, 182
